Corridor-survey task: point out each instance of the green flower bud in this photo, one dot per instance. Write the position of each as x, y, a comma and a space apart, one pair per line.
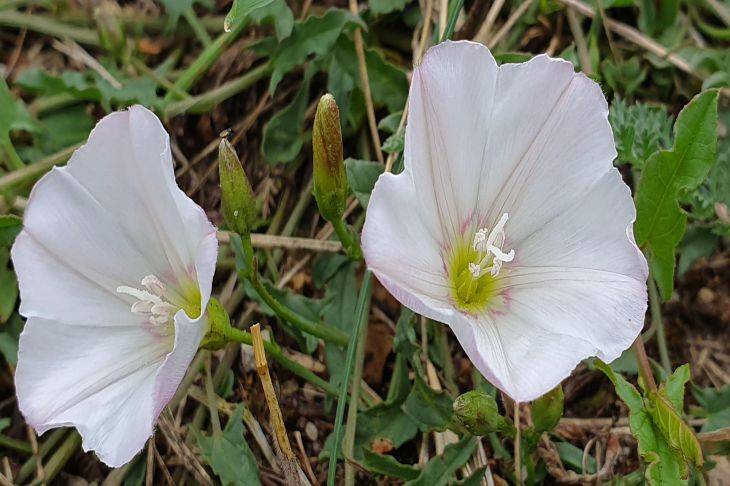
547, 410
330, 180
478, 413
237, 201
111, 33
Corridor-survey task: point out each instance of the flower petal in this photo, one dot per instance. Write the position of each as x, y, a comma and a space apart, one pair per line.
449, 128
548, 328
593, 234
111, 382
550, 143
112, 216
400, 250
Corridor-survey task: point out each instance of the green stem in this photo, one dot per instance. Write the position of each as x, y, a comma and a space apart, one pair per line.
215, 420
45, 104
206, 59
197, 26
361, 314
14, 160
273, 350
655, 306
29, 466
348, 444
59, 458
48, 26
160, 80
311, 327
349, 242
15, 444
204, 102
36, 169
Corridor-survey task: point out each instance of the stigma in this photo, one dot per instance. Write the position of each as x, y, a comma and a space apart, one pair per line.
490, 254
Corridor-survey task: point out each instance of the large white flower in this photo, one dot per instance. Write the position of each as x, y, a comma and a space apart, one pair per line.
115, 265
509, 222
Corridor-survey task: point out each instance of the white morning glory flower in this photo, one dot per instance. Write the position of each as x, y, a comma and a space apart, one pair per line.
115, 265
509, 222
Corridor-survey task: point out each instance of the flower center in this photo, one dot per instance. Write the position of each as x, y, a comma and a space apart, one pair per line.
473, 268
158, 303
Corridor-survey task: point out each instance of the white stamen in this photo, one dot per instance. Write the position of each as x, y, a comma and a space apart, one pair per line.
490, 249
152, 302
154, 285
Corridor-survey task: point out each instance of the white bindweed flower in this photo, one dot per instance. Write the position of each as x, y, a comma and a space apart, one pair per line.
115, 265
509, 222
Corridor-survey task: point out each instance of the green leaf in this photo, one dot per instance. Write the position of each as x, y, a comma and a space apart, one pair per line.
665, 466
240, 10
660, 222
9, 339
390, 123
388, 466
714, 406
10, 226
547, 410
361, 176
673, 388
276, 12
382, 7
388, 83
175, 8
431, 409
639, 131
382, 424
654, 18
284, 135
229, 455
623, 77
395, 142
8, 287
676, 432
572, 457
312, 38
475, 479
441, 469
13, 116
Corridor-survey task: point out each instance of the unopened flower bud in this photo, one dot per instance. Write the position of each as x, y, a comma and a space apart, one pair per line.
330, 180
237, 200
478, 413
111, 33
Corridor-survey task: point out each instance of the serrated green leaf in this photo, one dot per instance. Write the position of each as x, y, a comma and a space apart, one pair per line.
660, 222
229, 455
547, 410
312, 38
361, 176
676, 432
665, 465
240, 10
442, 469
395, 142
388, 466
623, 77
639, 131
673, 388
714, 405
